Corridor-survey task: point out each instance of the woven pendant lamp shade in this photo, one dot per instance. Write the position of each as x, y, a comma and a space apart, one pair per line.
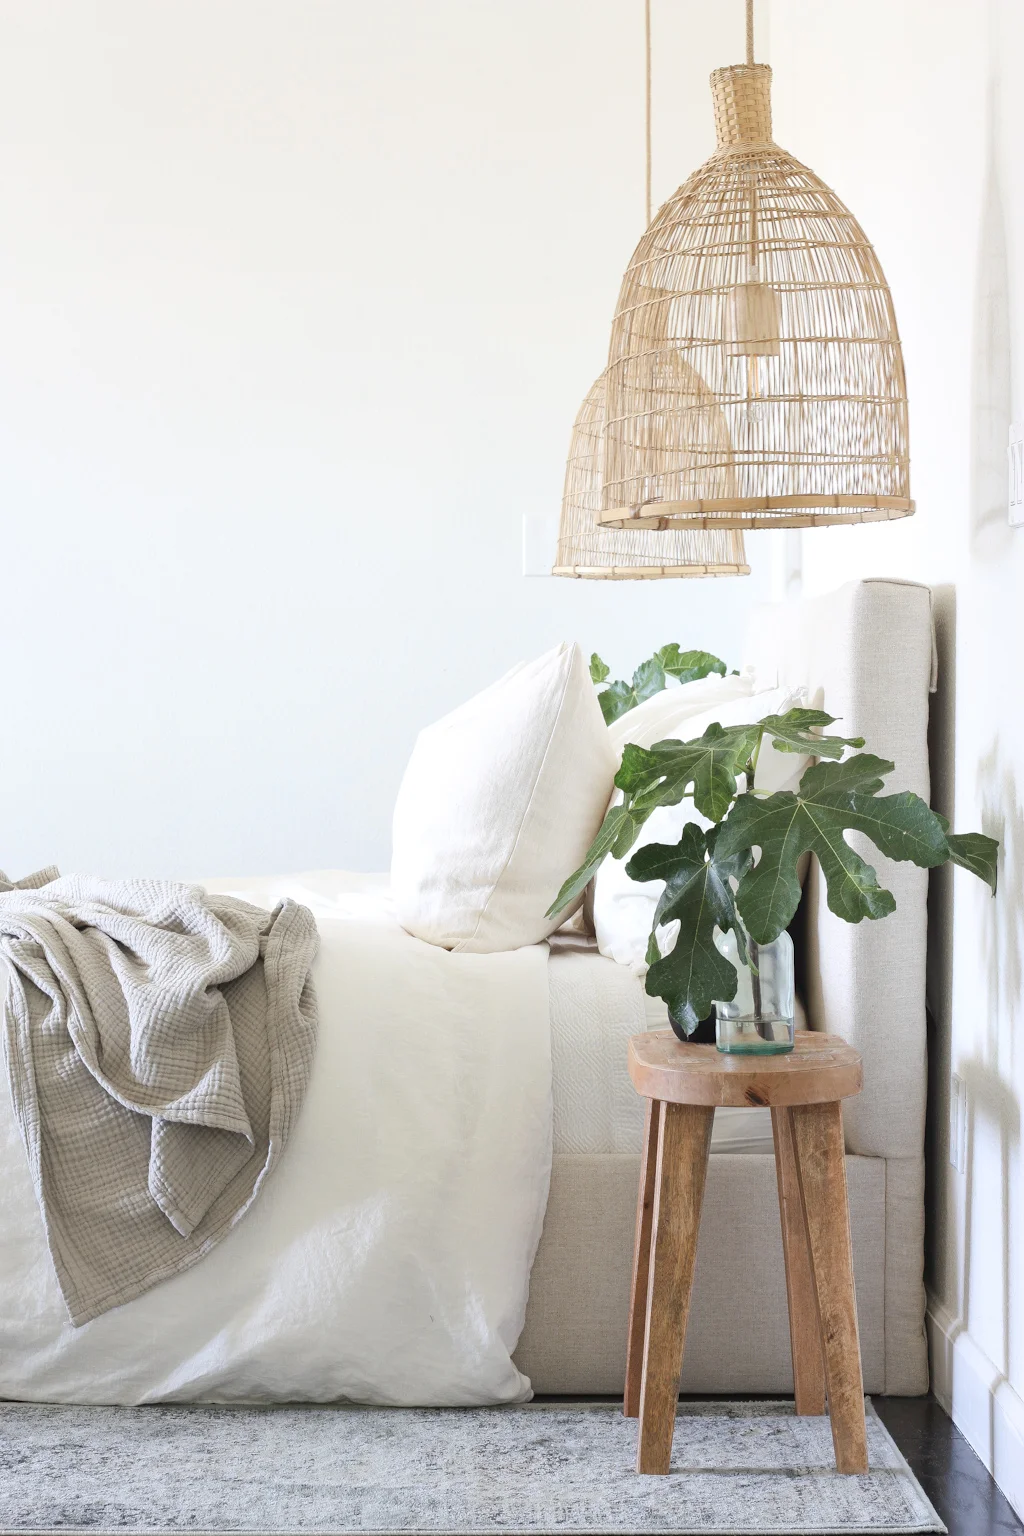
755, 375
634, 554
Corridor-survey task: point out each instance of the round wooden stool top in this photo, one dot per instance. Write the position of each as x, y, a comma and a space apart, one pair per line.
819, 1069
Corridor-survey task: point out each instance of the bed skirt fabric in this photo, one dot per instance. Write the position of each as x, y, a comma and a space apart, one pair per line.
738, 1334
596, 1005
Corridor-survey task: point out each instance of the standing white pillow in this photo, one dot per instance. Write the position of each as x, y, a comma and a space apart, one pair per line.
500, 802
624, 908
664, 716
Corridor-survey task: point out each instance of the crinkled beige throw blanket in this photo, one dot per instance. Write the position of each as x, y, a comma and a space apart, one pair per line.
159, 1042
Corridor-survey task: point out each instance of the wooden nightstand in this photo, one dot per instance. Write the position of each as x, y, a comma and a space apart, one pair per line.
682, 1085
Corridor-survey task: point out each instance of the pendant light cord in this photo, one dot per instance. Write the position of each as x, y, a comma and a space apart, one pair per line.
750, 31
647, 101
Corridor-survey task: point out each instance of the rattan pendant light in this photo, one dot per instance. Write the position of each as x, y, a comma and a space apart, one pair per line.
588, 551
755, 375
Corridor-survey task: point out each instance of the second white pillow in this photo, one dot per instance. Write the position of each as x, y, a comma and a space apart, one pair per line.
664, 716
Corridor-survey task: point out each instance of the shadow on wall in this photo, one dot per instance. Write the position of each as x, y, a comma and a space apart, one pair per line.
992, 1106
991, 1101
991, 398
993, 1110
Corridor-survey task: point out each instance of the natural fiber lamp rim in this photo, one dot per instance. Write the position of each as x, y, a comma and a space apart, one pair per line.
645, 572
760, 512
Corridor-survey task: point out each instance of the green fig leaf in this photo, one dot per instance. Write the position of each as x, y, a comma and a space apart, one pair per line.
976, 852
832, 800
730, 866
794, 732
973, 851
688, 666
698, 894
664, 773
864, 772
634, 768
616, 835
615, 700
648, 679
711, 878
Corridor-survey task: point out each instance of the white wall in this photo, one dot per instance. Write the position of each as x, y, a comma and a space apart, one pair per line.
297, 304
911, 109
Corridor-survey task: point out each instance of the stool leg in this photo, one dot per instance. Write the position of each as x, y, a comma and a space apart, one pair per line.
804, 1329
821, 1167
684, 1142
641, 1262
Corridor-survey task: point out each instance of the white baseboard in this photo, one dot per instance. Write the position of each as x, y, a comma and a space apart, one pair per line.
979, 1399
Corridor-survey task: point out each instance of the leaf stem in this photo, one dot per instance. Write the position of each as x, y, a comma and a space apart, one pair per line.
753, 956
752, 764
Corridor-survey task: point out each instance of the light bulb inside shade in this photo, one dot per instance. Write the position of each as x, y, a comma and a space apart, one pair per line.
752, 330
755, 409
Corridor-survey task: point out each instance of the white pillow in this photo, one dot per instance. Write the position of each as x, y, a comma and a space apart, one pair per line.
499, 804
624, 908
661, 718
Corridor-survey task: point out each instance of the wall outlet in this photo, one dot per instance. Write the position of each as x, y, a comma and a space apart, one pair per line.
958, 1123
1015, 466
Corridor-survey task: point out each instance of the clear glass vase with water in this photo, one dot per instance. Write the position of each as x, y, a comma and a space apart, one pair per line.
759, 1019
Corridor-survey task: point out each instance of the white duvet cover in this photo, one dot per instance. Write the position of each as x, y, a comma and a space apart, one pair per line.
388, 1258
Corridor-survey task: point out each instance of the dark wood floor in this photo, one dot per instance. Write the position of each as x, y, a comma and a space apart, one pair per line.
950, 1473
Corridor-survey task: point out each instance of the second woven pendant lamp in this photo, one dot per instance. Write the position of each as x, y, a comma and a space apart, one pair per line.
591, 552
594, 553
755, 374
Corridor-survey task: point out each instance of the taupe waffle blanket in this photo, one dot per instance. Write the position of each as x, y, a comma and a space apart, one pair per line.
158, 1042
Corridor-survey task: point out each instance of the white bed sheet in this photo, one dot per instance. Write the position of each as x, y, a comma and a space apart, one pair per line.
387, 1260
595, 1006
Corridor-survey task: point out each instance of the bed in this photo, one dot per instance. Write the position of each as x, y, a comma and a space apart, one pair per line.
867, 651
389, 1258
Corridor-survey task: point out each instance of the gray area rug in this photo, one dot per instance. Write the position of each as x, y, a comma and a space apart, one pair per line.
740, 1468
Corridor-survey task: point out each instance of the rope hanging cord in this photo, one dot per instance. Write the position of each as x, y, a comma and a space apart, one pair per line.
647, 100
647, 90
590, 551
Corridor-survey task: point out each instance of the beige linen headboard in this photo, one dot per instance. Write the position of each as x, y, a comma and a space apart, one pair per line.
869, 649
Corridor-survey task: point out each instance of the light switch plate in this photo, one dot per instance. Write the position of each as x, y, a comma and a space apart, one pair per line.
1015, 466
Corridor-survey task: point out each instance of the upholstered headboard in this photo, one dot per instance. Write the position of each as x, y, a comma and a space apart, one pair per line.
867, 652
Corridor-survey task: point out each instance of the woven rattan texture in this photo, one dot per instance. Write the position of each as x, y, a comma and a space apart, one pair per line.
743, 105
632, 554
806, 427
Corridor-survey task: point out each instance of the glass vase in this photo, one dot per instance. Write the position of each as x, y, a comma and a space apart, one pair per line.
759, 1019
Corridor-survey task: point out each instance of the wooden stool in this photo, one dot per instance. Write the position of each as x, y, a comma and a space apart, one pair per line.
682, 1085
